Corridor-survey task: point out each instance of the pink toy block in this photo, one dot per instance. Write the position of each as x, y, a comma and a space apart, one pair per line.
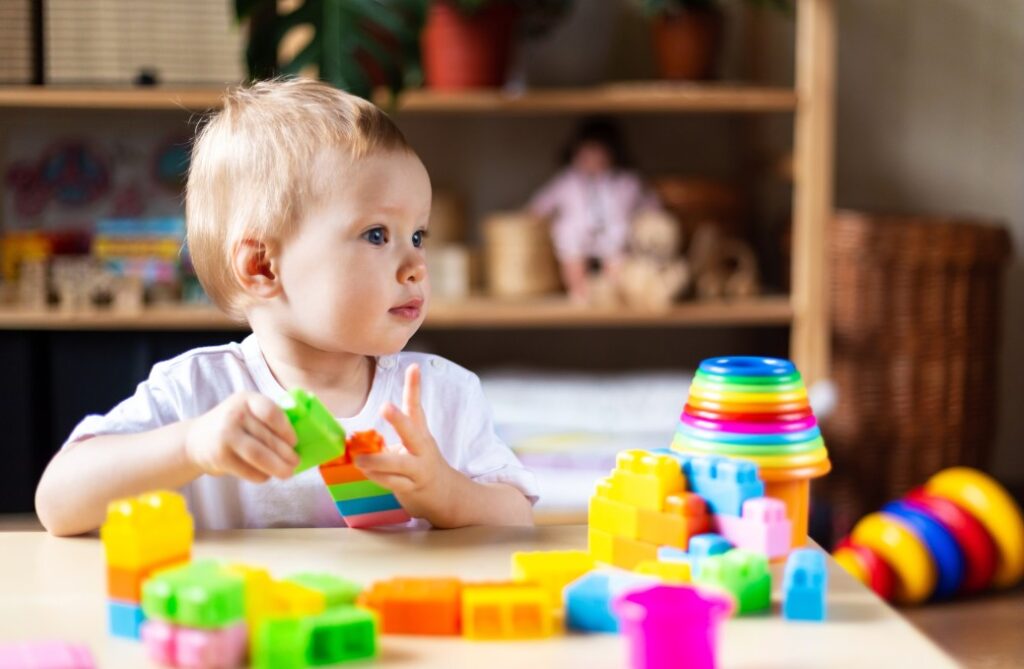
763, 528
212, 649
159, 639
672, 627
46, 655
391, 517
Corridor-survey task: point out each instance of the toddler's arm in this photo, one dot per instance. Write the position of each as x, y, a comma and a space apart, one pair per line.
246, 435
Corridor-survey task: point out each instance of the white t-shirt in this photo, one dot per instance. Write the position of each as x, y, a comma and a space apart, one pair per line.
191, 384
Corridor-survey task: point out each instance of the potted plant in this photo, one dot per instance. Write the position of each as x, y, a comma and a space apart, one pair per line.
687, 35
356, 45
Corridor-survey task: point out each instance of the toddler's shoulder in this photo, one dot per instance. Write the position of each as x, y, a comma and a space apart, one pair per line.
225, 360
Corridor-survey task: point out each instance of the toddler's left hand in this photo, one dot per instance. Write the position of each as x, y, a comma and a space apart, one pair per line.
420, 477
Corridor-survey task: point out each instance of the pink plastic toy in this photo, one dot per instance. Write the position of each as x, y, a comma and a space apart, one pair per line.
671, 627
46, 655
745, 427
763, 527
194, 648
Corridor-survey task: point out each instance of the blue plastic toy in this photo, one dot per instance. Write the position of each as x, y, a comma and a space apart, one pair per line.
804, 586
701, 546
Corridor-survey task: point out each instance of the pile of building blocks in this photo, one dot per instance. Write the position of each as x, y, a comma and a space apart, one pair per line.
46, 655
322, 442
140, 536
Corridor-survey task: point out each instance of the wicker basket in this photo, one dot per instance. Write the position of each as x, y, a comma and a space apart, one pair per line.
519, 256
916, 318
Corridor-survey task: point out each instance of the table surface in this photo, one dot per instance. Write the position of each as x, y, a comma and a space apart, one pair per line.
55, 589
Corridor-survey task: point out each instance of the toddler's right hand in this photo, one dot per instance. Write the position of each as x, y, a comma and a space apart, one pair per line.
247, 435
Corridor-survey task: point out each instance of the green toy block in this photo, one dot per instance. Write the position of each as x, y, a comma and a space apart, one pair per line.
336, 635
337, 591
342, 492
320, 438
199, 594
743, 574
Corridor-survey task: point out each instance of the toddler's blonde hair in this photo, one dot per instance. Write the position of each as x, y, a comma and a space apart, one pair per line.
253, 169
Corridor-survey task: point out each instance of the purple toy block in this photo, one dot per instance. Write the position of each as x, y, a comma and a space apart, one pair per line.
217, 649
763, 528
159, 639
671, 627
46, 655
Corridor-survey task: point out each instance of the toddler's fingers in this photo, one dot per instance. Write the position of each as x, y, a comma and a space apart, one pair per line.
236, 466
260, 457
273, 416
408, 432
411, 395
387, 463
259, 431
393, 482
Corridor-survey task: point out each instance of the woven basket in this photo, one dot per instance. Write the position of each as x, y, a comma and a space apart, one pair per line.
917, 310
519, 255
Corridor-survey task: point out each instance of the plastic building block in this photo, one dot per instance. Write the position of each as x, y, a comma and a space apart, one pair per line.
588, 599
320, 438
552, 570
201, 594
619, 551
667, 572
519, 611
195, 649
724, 483
355, 507
644, 479
126, 584
147, 530
356, 489
700, 547
685, 515
376, 518
612, 516
337, 635
337, 591
46, 655
672, 626
741, 573
287, 598
804, 585
258, 584
124, 619
416, 605
340, 470
763, 527
366, 442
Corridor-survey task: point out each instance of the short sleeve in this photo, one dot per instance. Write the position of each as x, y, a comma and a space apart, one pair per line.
482, 455
153, 405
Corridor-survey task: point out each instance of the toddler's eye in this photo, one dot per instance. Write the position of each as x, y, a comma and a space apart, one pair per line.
418, 238
376, 236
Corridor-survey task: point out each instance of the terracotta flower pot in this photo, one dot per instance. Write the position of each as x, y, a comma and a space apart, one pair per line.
467, 50
687, 43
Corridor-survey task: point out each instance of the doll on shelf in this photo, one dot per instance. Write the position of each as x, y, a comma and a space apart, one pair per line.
591, 203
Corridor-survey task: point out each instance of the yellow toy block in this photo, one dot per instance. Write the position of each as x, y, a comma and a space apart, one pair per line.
147, 530
669, 572
619, 551
288, 599
685, 515
552, 570
612, 516
644, 479
258, 586
520, 611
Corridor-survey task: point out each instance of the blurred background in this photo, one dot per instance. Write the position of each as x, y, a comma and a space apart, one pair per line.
835, 182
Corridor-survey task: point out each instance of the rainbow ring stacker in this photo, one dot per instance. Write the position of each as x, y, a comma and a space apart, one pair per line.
764, 417
994, 508
763, 381
705, 386
729, 397
762, 439
764, 408
949, 558
894, 542
743, 365
744, 427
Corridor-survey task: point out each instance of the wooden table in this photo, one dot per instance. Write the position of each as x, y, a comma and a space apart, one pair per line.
54, 588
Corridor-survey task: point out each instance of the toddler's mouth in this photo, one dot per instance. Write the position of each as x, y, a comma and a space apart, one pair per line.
409, 310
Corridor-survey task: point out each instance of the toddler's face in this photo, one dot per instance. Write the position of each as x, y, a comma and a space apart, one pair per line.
354, 273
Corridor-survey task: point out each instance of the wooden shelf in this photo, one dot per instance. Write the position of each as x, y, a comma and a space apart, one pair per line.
478, 313
621, 97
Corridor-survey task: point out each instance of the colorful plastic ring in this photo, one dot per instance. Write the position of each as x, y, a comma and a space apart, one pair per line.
795, 377
763, 408
949, 559
705, 386
972, 537
690, 410
979, 494
801, 459
789, 474
745, 427
748, 398
852, 565
747, 365
763, 439
881, 578
893, 540
745, 450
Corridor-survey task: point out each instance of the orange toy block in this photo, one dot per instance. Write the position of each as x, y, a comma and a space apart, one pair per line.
147, 530
619, 551
644, 479
685, 515
125, 585
416, 605
521, 611
340, 470
367, 442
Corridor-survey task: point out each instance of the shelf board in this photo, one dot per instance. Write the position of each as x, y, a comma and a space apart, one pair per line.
652, 96
474, 313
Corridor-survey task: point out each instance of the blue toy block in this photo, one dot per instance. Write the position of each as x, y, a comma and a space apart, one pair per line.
124, 620
804, 586
355, 507
672, 554
701, 546
724, 483
588, 599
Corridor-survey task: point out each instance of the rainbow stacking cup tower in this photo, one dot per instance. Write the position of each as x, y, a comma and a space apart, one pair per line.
757, 409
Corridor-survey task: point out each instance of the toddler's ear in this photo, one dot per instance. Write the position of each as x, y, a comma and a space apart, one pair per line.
255, 268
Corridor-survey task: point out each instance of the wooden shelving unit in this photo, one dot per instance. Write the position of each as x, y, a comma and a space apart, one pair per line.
812, 106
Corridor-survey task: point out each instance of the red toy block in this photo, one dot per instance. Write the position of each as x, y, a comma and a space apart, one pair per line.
416, 605
367, 442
